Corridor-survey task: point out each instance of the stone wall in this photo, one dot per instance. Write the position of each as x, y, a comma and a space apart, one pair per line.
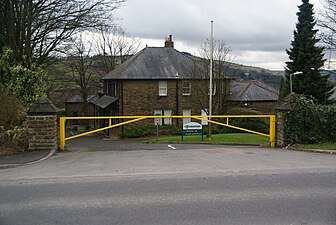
280, 129
43, 133
281, 110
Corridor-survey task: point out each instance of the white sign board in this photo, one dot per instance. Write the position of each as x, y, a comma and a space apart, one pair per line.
192, 126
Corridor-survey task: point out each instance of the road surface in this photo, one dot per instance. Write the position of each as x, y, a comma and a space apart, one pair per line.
186, 185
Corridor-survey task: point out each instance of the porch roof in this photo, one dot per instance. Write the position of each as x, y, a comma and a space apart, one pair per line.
105, 101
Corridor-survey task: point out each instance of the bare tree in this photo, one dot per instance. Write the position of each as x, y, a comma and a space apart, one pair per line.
327, 24
35, 29
114, 46
81, 66
222, 60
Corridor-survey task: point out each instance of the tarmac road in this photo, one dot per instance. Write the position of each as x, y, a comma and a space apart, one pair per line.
190, 184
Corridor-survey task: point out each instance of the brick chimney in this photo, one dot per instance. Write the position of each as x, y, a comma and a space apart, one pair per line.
169, 42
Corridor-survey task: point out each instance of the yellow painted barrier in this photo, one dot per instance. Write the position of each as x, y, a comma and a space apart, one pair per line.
133, 119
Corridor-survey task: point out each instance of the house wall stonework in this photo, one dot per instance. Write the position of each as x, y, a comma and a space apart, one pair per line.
77, 108
142, 98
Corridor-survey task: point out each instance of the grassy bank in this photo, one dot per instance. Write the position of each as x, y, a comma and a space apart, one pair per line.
234, 138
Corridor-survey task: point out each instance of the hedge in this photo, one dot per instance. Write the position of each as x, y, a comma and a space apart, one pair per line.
309, 123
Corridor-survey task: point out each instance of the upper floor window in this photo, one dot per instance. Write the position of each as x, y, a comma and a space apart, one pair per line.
186, 87
163, 88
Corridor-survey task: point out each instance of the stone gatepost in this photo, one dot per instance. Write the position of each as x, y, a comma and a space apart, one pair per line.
280, 111
42, 126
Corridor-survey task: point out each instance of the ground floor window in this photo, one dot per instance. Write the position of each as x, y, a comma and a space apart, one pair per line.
165, 121
158, 120
204, 113
186, 112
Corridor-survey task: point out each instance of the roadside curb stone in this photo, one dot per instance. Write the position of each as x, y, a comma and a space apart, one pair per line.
27, 161
322, 151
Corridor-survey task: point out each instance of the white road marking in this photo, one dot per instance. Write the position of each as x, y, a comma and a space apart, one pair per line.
172, 147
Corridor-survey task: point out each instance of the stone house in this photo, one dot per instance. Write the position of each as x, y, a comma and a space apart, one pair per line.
255, 95
164, 81
74, 107
158, 80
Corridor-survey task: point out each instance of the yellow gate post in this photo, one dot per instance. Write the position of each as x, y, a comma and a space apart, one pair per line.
272, 131
62, 133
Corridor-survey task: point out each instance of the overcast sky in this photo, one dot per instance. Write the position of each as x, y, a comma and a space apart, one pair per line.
257, 31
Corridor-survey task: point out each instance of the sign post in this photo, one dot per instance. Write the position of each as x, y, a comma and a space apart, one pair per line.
157, 120
192, 128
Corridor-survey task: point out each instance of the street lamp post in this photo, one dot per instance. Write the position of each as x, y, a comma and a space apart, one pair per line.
291, 80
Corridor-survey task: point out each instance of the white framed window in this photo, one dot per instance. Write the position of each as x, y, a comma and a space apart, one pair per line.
186, 87
167, 121
160, 121
186, 112
163, 88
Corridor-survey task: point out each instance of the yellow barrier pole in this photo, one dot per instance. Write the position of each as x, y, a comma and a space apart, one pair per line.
272, 131
62, 133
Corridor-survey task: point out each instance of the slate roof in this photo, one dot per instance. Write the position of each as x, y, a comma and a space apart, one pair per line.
43, 106
105, 101
78, 99
155, 63
252, 91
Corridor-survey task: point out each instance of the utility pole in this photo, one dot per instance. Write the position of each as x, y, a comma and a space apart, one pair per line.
210, 85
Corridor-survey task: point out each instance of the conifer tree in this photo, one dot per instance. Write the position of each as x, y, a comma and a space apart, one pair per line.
306, 56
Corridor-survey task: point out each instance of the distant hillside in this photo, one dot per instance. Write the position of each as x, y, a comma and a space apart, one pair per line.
243, 72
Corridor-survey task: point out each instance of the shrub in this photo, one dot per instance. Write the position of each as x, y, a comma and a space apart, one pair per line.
12, 112
150, 130
255, 124
302, 122
309, 123
13, 140
327, 115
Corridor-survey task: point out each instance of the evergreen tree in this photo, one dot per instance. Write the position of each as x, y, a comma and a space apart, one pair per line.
307, 57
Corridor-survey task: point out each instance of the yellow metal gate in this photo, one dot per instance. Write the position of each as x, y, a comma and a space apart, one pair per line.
132, 119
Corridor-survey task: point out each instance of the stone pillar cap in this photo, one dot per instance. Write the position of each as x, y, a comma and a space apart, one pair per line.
43, 106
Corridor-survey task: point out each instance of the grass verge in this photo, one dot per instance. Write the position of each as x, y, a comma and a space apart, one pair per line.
234, 138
